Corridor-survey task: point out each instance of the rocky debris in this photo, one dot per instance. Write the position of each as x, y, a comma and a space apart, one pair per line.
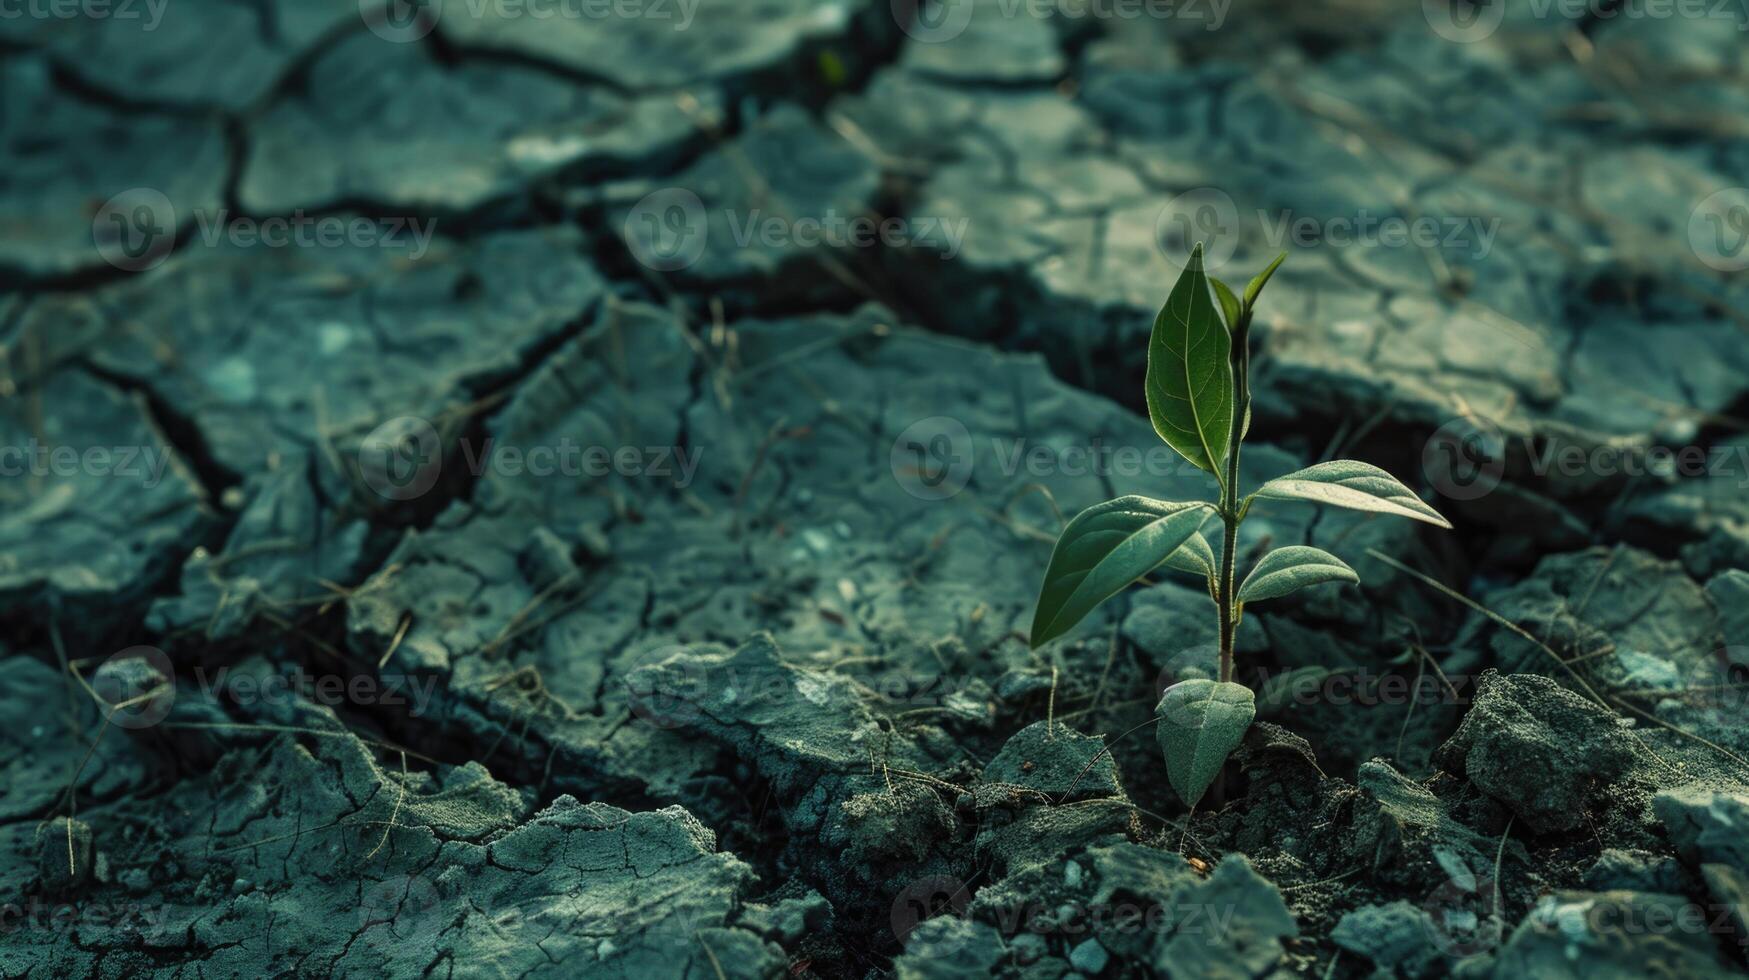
203, 53
1079, 202
272, 353
985, 42
64, 854
475, 134
1707, 824
1632, 629
1244, 922
869, 503
669, 45
1729, 889
1729, 591
254, 867
1538, 748
1135, 904
780, 211
1420, 831
820, 510
284, 364
39, 756
1054, 761
1633, 870
1655, 616
1012, 839
1611, 935
97, 504
826, 757
946, 947
282, 555
1705, 515
91, 188
1393, 936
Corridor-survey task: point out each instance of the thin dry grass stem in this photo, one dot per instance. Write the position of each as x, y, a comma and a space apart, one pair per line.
716, 964
395, 643
1522, 633
393, 813
1500, 852
1661, 723
1051, 707
222, 726
772, 436
1492, 615
1103, 750
1333, 879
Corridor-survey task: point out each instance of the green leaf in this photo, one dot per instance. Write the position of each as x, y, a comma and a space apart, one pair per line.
1201, 723
1293, 568
1257, 284
1352, 484
1104, 549
1230, 308
1189, 382
1194, 556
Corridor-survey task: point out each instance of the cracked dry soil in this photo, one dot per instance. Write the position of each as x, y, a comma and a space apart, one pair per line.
488, 495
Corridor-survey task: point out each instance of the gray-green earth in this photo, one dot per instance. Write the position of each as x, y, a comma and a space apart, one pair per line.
560, 488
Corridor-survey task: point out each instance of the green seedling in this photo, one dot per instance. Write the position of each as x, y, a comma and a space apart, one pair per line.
1199, 400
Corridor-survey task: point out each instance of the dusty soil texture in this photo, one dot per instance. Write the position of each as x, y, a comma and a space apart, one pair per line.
496, 495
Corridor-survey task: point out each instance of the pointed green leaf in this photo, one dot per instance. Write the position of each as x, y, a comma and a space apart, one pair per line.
1230, 308
1194, 556
1352, 484
1189, 382
1293, 568
1104, 549
1257, 284
1201, 723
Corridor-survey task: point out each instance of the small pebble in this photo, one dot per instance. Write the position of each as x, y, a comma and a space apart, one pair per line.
1089, 957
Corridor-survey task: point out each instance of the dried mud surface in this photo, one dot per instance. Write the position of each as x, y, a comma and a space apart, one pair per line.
576, 567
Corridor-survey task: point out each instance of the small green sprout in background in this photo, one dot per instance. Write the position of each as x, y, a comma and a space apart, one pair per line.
1199, 399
